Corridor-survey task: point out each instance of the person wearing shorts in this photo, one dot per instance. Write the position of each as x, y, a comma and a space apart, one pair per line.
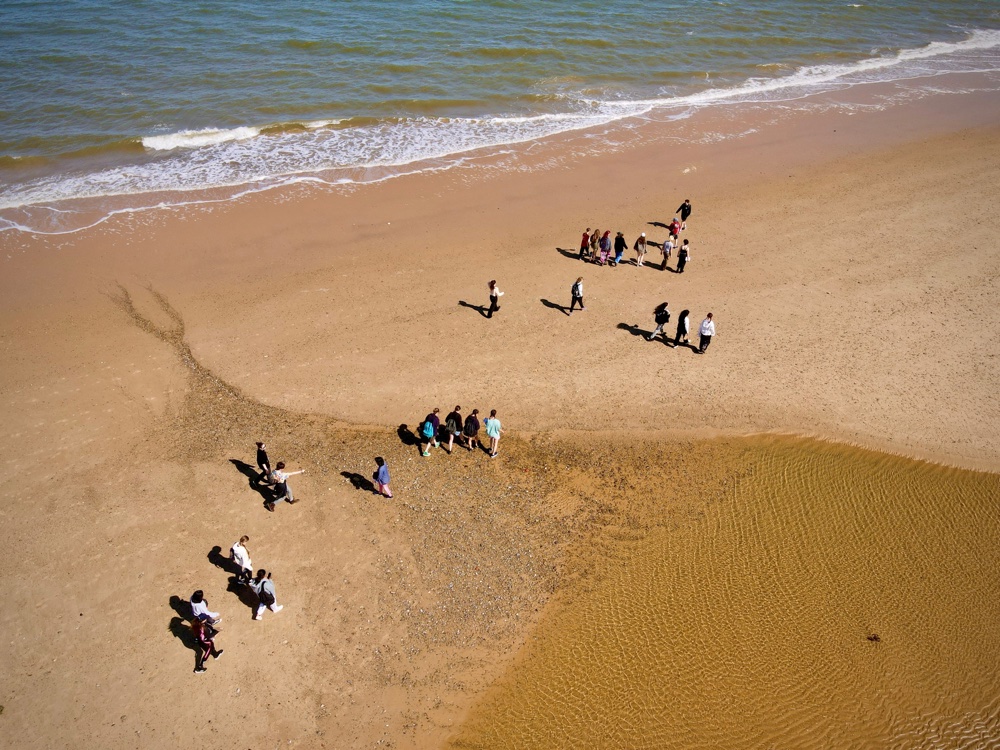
453, 424
493, 430
471, 430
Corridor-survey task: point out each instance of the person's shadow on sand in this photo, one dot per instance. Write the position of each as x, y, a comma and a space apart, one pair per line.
481, 309
555, 306
574, 254
253, 479
358, 481
219, 560
658, 224
633, 329
180, 625
406, 435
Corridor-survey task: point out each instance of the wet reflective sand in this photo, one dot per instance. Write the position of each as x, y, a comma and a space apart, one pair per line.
832, 597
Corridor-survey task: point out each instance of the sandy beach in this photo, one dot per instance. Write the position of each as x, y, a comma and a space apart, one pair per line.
850, 261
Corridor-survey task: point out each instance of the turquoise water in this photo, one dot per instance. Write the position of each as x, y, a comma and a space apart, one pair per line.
106, 98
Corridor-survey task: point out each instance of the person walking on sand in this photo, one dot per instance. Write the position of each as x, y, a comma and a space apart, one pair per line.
263, 463
429, 432
605, 247
381, 478
595, 241
200, 610
675, 228
495, 295
263, 586
683, 326
494, 430
585, 244
662, 316
576, 295
240, 555
640, 249
665, 250
620, 246
204, 636
706, 331
282, 491
684, 210
471, 430
683, 256
453, 424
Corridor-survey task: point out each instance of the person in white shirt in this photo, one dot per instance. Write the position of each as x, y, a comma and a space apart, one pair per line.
576, 295
199, 608
240, 555
282, 491
495, 295
706, 331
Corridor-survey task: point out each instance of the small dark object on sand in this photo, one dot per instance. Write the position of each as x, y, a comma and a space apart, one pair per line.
874, 638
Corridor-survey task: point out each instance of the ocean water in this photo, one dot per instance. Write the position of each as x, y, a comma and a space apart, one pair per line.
125, 104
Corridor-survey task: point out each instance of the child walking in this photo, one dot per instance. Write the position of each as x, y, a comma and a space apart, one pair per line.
381, 478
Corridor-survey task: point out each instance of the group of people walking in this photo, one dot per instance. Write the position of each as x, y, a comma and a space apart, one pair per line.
599, 248
464, 430
661, 316
205, 622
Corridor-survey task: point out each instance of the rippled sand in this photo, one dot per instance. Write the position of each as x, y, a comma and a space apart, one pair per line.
835, 597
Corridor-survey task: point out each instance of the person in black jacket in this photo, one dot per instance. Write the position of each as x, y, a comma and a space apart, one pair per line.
662, 316
684, 209
263, 463
620, 247
682, 257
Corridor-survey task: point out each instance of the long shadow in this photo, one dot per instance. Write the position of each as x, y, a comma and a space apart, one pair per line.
481, 309
358, 481
574, 254
182, 631
406, 435
555, 306
181, 607
222, 562
658, 224
253, 479
633, 329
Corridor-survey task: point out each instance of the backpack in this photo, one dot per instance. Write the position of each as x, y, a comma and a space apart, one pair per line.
266, 598
574, 290
427, 429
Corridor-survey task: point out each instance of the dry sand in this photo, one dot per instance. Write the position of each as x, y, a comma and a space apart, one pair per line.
851, 266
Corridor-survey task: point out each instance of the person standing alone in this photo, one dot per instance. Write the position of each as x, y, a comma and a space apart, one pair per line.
495, 295
706, 331
576, 295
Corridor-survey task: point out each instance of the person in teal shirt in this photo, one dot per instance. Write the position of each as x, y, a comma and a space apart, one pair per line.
493, 431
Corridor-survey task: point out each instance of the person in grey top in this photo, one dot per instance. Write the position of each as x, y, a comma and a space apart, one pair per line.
263, 586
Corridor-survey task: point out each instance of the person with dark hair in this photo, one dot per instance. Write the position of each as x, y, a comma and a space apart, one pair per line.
585, 244
684, 210
605, 245
683, 255
706, 332
381, 478
683, 326
493, 430
620, 247
429, 432
204, 635
264, 588
453, 424
263, 463
576, 295
199, 608
495, 295
279, 477
661, 315
470, 432
240, 555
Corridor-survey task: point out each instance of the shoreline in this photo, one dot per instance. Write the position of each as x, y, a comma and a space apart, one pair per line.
145, 359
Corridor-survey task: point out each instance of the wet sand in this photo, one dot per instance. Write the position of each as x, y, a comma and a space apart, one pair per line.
852, 277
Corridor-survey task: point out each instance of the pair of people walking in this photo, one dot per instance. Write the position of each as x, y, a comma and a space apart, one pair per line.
276, 477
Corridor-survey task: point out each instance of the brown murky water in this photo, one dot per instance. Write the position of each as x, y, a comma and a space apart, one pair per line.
834, 598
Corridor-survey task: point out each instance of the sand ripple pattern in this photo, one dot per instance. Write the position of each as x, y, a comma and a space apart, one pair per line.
835, 598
